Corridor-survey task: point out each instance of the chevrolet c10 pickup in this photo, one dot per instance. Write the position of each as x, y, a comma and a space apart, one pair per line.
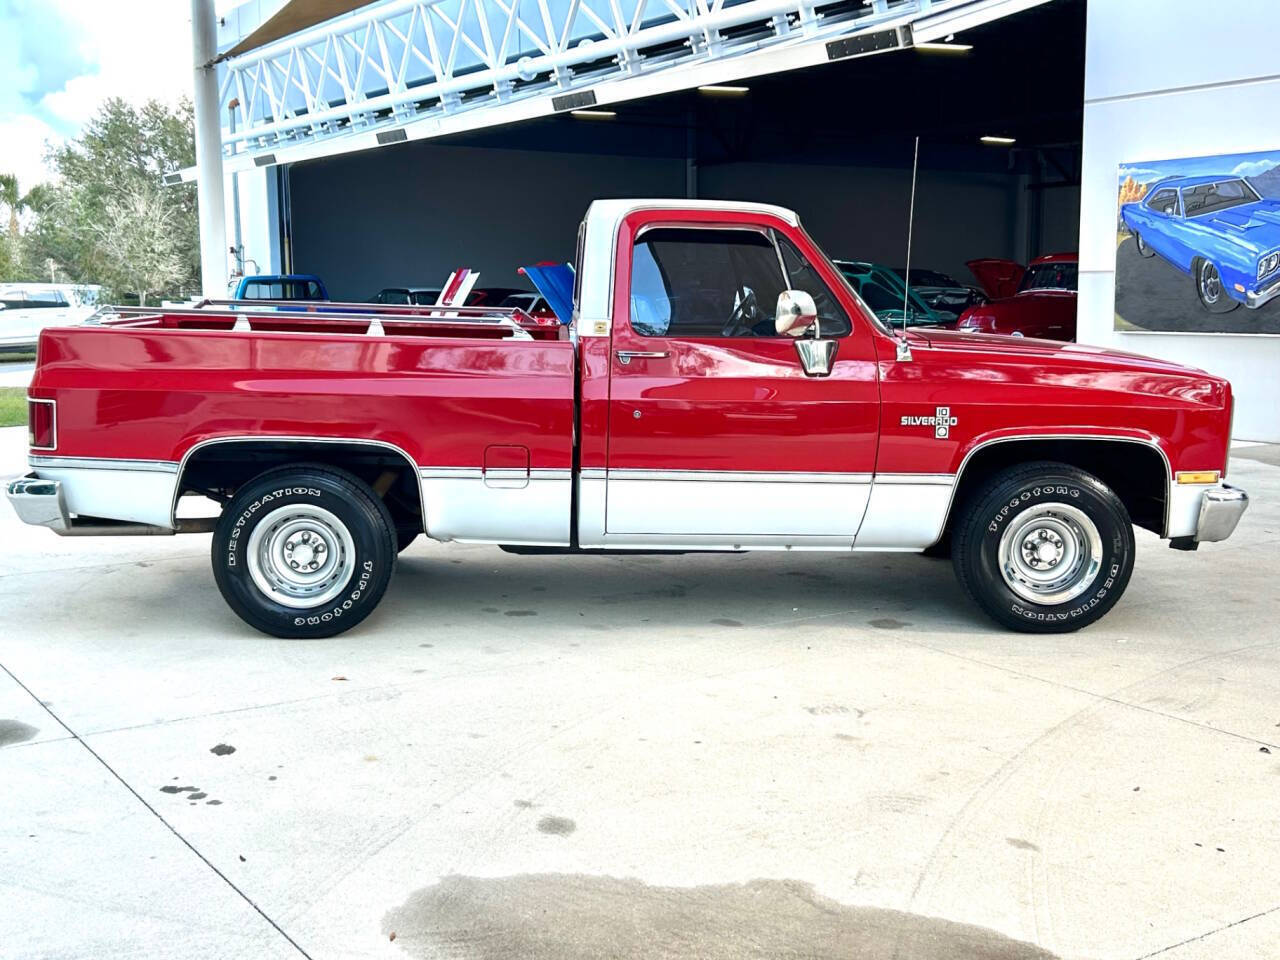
720, 387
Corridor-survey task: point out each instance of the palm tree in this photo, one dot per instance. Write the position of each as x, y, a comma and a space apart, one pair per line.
13, 199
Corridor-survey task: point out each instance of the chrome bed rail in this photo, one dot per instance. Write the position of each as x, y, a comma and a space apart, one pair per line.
377, 317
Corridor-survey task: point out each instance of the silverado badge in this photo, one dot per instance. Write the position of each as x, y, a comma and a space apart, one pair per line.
942, 421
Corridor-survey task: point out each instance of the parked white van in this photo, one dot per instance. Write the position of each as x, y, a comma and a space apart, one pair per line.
27, 308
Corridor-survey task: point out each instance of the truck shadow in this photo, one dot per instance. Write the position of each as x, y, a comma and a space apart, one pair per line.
581, 917
723, 589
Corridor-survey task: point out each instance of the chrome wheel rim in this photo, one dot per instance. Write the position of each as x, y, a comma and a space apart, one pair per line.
1050, 554
1210, 282
1137, 238
301, 556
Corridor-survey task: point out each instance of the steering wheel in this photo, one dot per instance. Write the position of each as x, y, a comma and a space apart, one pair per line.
745, 316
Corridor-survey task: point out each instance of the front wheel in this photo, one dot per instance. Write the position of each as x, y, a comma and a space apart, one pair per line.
304, 551
1048, 549
1212, 294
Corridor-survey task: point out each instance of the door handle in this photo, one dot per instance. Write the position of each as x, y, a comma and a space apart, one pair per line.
626, 356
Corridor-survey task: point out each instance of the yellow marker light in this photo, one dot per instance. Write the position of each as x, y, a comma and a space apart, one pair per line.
1199, 476
1239, 288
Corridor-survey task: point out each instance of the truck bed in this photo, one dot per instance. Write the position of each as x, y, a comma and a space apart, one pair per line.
440, 384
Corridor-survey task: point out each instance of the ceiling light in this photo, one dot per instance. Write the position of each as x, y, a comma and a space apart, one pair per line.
944, 47
595, 114
1004, 141
722, 88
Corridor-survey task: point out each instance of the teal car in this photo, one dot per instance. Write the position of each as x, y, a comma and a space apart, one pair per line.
884, 292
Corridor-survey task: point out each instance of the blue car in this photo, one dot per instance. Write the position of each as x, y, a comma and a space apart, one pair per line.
303, 287
1218, 231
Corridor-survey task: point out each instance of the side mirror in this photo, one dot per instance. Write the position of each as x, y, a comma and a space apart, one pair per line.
796, 312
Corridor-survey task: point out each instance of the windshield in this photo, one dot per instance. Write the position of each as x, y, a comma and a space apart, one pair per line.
1049, 276
1210, 197
925, 278
882, 291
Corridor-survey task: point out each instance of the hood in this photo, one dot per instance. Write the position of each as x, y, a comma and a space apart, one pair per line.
1033, 350
999, 278
555, 282
1256, 225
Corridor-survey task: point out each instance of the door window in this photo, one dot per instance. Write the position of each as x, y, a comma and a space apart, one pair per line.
1165, 201
705, 283
832, 320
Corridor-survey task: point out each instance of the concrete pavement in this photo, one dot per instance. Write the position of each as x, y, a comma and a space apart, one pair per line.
722, 756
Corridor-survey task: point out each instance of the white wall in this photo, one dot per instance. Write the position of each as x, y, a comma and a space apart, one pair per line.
1182, 78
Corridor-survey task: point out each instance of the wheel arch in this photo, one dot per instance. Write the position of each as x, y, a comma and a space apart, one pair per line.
1136, 468
233, 460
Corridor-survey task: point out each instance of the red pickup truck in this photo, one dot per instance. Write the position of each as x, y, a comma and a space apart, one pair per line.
721, 387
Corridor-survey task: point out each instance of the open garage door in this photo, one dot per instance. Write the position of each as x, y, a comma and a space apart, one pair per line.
833, 142
396, 70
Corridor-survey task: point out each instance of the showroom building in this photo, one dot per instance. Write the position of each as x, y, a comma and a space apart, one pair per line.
386, 144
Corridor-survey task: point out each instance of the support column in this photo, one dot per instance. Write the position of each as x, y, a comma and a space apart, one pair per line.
210, 189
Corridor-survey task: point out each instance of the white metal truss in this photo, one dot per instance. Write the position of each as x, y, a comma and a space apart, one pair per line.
408, 69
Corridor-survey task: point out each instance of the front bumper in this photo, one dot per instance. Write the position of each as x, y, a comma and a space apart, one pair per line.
1257, 298
1220, 510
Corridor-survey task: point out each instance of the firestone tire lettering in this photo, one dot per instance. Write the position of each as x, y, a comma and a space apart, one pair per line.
982, 520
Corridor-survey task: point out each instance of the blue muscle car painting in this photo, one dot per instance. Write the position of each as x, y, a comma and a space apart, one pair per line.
1200, 236
1218, 231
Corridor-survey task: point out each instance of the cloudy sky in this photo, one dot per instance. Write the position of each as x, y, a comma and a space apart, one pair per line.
60, 58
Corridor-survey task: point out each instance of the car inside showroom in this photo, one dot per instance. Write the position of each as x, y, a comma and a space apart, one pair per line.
722, 479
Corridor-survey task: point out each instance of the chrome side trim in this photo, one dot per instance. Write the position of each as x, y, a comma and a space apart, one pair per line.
360, 441
728, 476
1106, 438
104, 463
478, 473
941, 479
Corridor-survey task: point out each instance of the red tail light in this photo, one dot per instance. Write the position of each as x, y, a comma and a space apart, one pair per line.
42, 424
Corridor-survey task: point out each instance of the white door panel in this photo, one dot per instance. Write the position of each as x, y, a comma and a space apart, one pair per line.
734, 505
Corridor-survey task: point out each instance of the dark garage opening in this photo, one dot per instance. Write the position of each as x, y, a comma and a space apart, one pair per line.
833, 142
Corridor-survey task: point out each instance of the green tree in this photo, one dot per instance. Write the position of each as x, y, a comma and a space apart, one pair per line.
138, 240
12, 199
121, 155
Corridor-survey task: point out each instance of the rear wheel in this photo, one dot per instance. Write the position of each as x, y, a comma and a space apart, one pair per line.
1048, 549
1209, 289
304, 551
1143, 249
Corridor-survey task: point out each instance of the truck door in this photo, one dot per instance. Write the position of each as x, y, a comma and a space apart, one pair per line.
717, 437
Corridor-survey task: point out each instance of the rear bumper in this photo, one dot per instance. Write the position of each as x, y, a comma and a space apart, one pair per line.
1221, 508
39, 502
42, 503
